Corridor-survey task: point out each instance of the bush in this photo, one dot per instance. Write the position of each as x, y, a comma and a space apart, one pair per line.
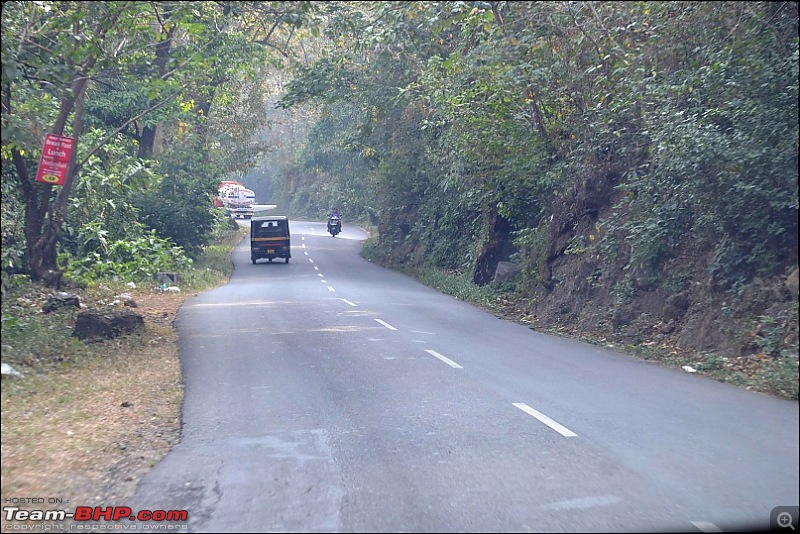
135, 260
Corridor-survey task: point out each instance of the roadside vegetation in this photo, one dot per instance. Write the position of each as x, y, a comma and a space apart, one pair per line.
36, 341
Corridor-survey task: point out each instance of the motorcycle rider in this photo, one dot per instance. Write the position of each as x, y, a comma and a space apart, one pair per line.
335, 218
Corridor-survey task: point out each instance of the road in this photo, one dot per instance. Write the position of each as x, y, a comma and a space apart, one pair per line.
332, 395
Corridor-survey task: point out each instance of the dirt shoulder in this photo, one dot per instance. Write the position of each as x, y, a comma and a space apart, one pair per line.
86, 434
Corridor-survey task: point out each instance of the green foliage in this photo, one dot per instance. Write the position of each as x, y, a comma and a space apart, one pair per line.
181, 207
772, 333
182, 214
13, 238
135, 260
722, 156
780, 376
678, 279
213, 265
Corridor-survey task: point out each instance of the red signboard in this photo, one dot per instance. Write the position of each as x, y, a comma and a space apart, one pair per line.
54, 164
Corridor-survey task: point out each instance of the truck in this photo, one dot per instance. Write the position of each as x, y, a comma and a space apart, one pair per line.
236, 199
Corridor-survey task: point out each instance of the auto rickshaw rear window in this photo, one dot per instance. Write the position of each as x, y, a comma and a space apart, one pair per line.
271, 228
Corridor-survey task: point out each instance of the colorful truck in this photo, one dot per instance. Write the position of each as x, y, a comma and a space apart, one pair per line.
236, 199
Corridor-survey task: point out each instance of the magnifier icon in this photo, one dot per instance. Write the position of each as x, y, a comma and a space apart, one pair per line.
785, 520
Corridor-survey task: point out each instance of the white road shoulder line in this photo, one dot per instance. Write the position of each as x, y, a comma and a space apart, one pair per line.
446, 360
387, 325
350, 303
561, 429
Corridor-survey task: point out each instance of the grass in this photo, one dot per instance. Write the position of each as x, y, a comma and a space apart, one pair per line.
457, 285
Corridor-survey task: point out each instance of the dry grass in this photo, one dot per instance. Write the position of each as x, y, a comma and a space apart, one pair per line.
86, 434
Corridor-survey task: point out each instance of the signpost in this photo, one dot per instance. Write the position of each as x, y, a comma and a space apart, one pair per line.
54, 163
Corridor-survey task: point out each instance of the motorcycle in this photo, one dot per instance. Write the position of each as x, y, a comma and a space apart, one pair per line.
334, 225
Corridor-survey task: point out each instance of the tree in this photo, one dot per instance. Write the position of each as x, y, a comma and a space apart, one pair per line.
50, 54
150, 61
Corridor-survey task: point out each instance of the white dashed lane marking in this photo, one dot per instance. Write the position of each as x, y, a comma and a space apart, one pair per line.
446, 360
706, 526
561, 429
387, 325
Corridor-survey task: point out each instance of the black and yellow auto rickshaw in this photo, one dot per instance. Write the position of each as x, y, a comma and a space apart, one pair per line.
269, 238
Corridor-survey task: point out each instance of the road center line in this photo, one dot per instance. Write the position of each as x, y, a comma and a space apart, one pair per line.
319, 274
564, 431
446, 360
331, 289
350, 303
387, 325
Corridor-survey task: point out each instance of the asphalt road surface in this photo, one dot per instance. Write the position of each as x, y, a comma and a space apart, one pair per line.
332, 395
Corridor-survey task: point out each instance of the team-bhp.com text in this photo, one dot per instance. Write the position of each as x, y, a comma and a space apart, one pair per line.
94, 513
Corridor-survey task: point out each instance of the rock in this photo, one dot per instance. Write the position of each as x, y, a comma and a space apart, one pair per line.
61, 300
127, 300
92, 326
505, 273
623, 315
676, 306
7, 370
666, 328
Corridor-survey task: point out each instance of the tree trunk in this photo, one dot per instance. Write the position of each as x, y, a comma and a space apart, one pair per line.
147, 142
42, 232
496, 248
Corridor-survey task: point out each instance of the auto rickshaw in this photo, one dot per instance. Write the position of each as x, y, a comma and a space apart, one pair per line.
269, 238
